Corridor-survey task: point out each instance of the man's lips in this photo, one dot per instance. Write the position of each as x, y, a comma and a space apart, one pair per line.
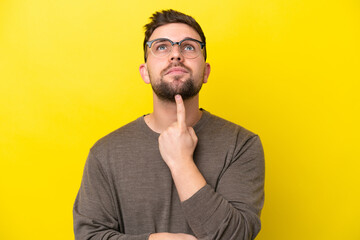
176, 70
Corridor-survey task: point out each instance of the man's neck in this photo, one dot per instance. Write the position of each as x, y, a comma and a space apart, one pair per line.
165, 113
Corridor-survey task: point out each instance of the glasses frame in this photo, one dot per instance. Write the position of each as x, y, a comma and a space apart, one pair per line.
149, 44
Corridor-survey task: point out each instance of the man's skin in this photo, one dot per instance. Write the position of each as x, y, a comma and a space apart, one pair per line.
174, 120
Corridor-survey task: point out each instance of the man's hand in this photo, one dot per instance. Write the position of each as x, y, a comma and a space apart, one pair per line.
177, 143
171, 236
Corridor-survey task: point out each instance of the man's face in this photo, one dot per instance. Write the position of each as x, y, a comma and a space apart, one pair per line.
175, 74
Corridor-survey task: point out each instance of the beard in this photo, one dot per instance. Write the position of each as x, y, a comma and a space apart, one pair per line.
167, 91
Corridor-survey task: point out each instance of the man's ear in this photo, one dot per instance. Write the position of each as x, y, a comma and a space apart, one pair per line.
144, 73
206, 72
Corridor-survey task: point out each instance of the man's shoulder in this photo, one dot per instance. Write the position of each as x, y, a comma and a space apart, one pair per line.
222, 132
226, 127
119, 136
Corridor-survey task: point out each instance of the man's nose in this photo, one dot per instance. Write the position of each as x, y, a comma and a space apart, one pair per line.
175, 54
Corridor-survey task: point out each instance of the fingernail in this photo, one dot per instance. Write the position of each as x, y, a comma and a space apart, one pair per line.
177, 96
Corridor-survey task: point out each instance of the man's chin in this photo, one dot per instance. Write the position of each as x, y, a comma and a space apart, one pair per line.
171, 98
168, 87
175, 79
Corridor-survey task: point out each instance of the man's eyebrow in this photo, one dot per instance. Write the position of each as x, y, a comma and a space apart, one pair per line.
187, 38
190, 38
167, 39
159, 39
163, 39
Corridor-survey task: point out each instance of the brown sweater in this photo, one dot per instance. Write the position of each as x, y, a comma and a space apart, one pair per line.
127, 191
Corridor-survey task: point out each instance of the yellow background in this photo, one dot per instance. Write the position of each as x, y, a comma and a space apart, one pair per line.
285, 69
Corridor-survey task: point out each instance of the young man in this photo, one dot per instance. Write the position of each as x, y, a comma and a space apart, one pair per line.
179, 173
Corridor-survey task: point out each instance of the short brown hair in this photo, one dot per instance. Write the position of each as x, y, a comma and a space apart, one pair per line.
171, 16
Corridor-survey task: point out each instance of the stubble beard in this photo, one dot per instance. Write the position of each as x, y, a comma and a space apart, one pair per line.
166, 91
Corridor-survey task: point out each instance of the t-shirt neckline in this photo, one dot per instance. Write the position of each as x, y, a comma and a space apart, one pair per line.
149, 132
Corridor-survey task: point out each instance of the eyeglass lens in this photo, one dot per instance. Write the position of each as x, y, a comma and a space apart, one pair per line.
188, 48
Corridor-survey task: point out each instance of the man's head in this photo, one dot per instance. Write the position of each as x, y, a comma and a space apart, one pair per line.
175, 58
170, 16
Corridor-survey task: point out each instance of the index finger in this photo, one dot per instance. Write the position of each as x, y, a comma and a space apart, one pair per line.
180, 109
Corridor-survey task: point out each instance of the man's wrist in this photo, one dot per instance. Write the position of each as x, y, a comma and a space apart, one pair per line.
188, 179
180, 165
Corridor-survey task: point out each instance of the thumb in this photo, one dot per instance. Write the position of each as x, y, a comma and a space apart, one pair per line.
192, 134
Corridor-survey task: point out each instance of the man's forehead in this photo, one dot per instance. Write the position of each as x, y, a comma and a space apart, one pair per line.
175, 32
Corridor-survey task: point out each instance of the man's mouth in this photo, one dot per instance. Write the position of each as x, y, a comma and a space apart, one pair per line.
176, 70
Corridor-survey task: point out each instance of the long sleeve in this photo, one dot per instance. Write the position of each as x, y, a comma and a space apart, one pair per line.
127, 191
231, 209
95, 214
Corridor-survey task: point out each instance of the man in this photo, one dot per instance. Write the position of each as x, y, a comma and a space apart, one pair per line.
179, 173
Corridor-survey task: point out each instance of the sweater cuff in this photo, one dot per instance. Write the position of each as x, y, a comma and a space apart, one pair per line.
204, 211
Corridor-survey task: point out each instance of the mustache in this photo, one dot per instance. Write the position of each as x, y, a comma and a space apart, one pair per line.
171, 65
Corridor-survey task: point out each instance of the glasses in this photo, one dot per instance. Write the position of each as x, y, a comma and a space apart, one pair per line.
189, 48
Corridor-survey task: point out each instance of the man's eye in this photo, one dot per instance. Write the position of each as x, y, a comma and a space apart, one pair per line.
161, 47
189, 48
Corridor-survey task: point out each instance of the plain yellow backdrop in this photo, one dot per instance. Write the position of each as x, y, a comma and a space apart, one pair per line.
287, 70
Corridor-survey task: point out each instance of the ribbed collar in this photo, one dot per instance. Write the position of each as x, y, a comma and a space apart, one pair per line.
150, 133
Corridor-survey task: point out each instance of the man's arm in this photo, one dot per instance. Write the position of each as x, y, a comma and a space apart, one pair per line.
94, 210
171, 236
231, 212
177, 144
